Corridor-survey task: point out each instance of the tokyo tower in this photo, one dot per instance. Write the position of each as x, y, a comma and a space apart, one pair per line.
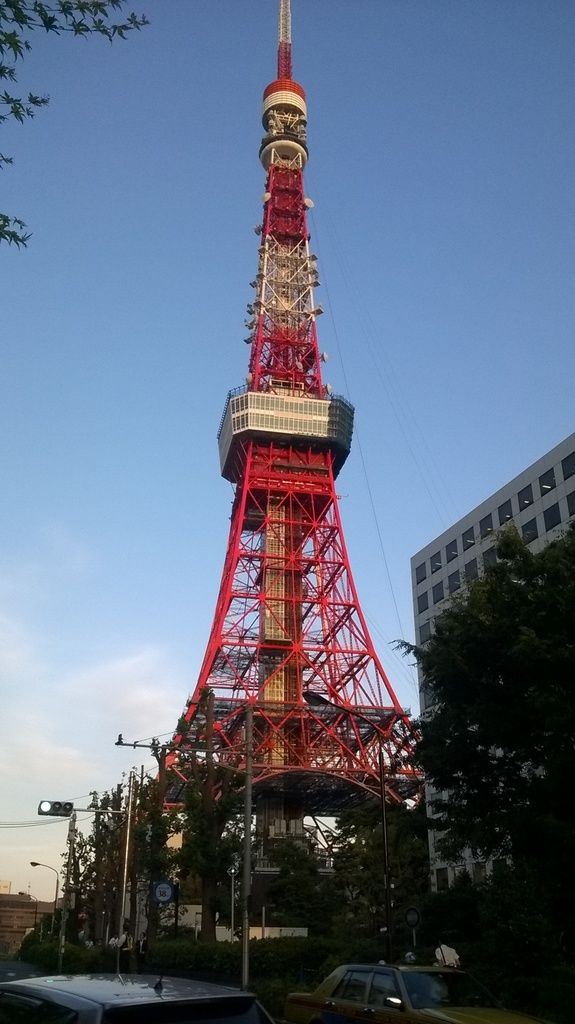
289, 638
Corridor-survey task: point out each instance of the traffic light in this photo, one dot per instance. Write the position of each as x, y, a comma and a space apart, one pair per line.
56, 808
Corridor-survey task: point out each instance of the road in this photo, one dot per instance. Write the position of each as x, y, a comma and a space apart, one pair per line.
11, 970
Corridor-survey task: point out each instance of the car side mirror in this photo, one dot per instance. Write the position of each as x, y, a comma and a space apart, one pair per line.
394, 1002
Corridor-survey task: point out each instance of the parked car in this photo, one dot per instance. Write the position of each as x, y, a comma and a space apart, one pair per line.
385, 994
125, 999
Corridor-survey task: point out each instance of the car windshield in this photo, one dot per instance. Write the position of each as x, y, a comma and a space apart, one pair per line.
221, 1011
438, 988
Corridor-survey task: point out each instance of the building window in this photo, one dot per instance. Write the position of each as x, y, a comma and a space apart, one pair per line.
571, 503
453, 582
436, 561
568, 466
451, 551
489, 558
552, 516
505, 512
547, 482
485, 526
424, 632
442, 879
468, 538
525, 497
470, 569
529, 531
438, 592
423, 602
420, 573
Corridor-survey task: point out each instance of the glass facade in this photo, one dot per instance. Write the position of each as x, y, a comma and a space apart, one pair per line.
525, 497
505, 512
486, 526
529, 531
453, 582
547, 482
489, 557
468, 538
568, 466
552, 516
470, 569
436, 561
451, 550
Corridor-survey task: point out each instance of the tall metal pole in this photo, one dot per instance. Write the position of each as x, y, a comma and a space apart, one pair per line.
125, 872
247, 867
386, 878
232, 905
66, 900
56, 891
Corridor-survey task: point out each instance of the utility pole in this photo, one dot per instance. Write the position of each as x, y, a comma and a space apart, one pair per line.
120, 930
247, 866
386, 878
66, 901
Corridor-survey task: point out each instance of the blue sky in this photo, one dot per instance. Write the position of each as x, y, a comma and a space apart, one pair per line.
441, 168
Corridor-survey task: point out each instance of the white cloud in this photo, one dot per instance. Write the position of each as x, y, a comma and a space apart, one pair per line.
57, 734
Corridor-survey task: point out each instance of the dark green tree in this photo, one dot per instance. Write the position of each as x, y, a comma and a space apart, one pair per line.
211, 819
300, 896
499, 738
358, 866
18, 20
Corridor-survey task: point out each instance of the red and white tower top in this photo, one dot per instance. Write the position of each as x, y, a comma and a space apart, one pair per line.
284, 110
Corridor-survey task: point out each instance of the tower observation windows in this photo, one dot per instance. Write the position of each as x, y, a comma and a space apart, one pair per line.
327, 422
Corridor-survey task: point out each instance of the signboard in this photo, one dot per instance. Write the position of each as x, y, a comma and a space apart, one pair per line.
163, 892
412, 917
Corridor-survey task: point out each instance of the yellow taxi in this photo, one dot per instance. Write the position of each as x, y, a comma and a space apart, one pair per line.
406, 994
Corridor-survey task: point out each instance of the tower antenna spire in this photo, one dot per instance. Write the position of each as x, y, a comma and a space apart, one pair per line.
284, 40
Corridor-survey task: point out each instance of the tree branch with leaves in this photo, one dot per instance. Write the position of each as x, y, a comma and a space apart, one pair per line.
18, 20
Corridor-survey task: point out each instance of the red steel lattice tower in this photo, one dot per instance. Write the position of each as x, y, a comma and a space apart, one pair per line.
288, 626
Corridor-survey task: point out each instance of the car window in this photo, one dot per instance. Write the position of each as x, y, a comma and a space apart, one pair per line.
353, 986
383, 984
442, 988
243, 1010
19, 1009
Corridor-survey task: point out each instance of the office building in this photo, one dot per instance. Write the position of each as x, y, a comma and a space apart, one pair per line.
540, 501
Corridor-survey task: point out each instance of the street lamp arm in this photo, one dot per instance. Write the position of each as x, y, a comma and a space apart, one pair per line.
38, 864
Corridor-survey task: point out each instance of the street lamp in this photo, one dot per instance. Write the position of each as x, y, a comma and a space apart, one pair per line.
35, 898
318, 700
37, 864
